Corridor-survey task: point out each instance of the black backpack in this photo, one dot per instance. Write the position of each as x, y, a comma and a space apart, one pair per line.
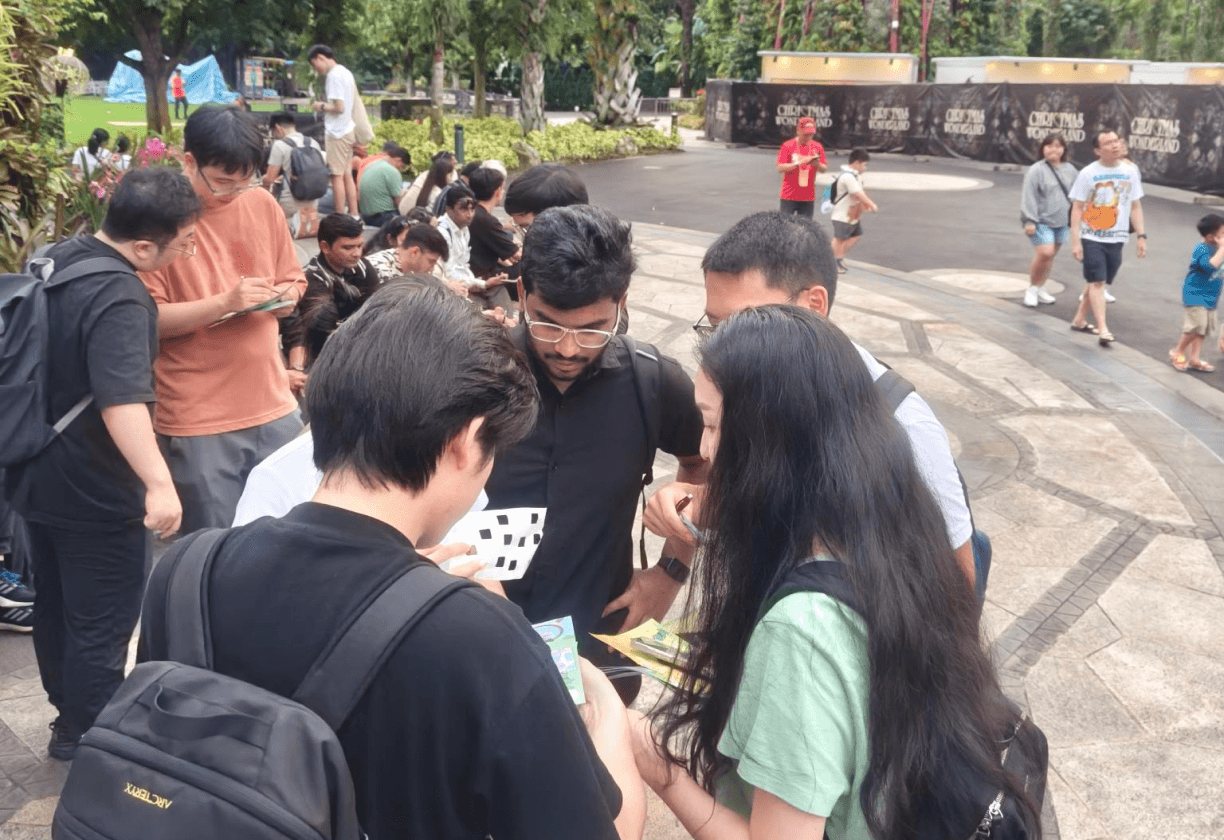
985, 813
25, 341
182, 752
309, 176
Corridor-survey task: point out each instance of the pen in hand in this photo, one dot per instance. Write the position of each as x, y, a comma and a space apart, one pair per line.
692, 529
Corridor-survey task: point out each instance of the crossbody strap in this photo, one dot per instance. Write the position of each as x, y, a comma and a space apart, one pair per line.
339, 678
1061, 185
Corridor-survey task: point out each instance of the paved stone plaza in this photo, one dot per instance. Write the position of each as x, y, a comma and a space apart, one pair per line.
1096, 475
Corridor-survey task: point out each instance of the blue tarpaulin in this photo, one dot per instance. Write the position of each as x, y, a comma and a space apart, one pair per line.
202, 81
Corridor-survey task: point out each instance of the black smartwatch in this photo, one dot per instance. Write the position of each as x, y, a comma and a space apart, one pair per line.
674, 569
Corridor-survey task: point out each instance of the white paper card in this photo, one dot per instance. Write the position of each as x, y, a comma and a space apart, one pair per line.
505, 541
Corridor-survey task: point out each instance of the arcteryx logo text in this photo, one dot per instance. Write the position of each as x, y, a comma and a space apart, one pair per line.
146, 797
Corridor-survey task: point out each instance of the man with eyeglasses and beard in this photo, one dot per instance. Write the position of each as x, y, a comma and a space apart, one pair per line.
223, 397
607, 405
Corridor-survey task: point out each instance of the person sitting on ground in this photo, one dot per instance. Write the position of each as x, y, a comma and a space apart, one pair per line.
425, 189
438, 207
224, 400
285, 138
1201, 296
850, 201
420, 249
1045, 212
455, 226
88, 159
121, 160
338, 282
382, 186
362, 163
495, 255
785, 258
379, 250
467, 731
541, 187
804, 716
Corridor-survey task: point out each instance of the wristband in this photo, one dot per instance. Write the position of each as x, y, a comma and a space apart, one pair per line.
674, 569
1141, 236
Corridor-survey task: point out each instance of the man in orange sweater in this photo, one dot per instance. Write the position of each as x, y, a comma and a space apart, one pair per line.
223, 397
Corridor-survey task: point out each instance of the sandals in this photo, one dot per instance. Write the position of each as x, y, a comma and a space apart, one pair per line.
1085, 328
1180, 362
1205, 367
1105, 339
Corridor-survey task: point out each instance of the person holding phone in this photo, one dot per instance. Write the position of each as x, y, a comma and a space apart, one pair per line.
800, 160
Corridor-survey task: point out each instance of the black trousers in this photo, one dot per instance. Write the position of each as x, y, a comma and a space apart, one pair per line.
183, 100
90, 585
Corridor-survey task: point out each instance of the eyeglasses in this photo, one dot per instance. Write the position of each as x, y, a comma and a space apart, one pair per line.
240, 188
703, 327
189, 251
555, 333
465, 204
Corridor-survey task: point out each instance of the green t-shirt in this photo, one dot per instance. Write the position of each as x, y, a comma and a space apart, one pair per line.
798, 729
381, 184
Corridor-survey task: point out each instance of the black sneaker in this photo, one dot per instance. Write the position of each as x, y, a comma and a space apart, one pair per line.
12, 592
18, 619
64, 740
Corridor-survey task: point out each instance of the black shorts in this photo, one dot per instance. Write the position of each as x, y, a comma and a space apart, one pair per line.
1101, 260
847, 230
799, 208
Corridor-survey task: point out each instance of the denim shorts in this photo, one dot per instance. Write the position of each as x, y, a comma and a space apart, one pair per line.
1046, 235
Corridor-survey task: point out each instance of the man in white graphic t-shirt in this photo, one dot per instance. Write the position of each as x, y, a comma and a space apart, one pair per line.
341, 131
1105, 206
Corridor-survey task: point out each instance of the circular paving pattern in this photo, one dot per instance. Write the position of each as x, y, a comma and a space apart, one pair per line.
989, 282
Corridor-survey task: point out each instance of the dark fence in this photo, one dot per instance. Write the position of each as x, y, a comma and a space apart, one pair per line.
1175, 132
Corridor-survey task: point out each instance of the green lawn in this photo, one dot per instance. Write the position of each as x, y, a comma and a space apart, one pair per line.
85, 113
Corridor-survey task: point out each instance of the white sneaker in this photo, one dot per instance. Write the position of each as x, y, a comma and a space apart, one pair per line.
1030, 296
1109, 298
1044, 296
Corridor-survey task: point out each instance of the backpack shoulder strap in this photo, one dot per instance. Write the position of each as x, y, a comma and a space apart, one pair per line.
824, 576
647, 373
182, 576
339, 678
84, 268
895, 388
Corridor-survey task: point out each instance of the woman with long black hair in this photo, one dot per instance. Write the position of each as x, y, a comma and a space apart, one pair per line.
87, 159
800, 716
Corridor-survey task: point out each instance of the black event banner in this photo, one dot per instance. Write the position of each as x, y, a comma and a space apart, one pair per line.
1173, 131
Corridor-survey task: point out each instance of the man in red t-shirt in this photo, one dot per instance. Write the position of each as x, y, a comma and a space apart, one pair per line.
800, 160
179, 93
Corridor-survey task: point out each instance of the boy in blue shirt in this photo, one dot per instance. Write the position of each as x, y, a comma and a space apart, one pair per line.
1200, 294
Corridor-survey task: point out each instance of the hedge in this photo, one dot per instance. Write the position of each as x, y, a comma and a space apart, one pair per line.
495, 137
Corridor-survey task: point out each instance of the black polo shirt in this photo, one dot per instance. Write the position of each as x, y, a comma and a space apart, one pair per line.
103, 342
584, 462
467, 732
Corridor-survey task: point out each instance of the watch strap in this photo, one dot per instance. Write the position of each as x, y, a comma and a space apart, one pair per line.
674, 569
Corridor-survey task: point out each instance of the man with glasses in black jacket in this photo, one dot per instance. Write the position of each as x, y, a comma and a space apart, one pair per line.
604, 414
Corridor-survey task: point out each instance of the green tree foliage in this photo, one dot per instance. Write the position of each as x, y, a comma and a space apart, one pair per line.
33, 182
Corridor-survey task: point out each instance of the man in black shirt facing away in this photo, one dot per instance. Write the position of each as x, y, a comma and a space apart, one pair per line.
89, 497
494, 251
467, 731
586, 457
